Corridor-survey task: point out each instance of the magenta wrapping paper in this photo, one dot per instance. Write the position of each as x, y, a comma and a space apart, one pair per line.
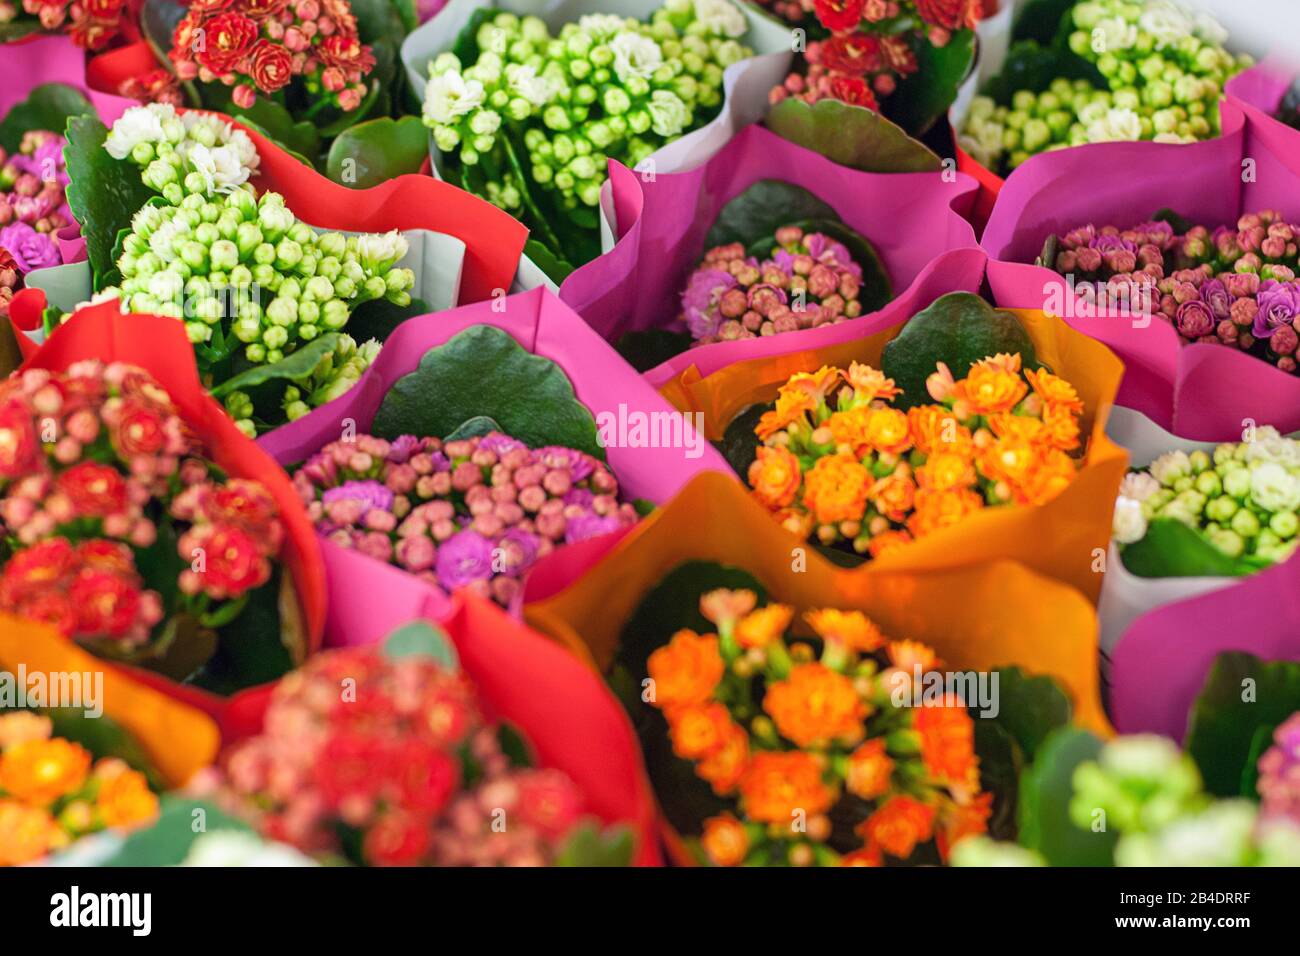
1203, 392
1262, 86
542, 324
662, 223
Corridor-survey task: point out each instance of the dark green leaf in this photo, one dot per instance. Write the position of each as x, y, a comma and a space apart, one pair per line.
422, 639
293, 367
475, 427
1046, 788
763, 208
484, 371
379, 149
1000, 766
1041, 20
739, 445
253, 649
1029, 708
925, 95
852, 136
1032, 67
556, 267
958, 329
651, 347
1171, 549
167, 843
48, 107
273, 120
1243, 697
18, 28
103, 193
378, 318
514, 745
1178, 223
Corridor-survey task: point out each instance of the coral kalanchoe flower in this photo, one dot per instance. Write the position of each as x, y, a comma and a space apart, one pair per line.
473, 513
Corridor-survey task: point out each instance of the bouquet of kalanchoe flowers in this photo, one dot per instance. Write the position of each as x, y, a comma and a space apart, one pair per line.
1233, 286
826, 761
1241, 501
32, 209
809, 280
1120, 70
418, 777
91, 24
53, 791
839, 462
471, 513
531, 123
860, 50
251, 282
1151, 793
115, 527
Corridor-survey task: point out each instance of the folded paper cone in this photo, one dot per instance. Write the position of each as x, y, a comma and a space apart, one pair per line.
1066, 538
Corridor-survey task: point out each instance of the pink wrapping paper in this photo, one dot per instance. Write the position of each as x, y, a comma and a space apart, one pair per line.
1261, 87
1161, 662
1203, 392
541, 323
51, 59
662, 224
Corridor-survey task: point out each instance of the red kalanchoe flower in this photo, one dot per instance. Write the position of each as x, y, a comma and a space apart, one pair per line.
263, 9
138, 429
107, 604
347, 52
397, 839
852, 53
104, 9
104, 555
950, 14
36, 568
839, 15
425, 777
231, 564
549, 801
853, 90
228, 38
346, 768
49, 607
270, 66
209, 6
20, 449
93, 490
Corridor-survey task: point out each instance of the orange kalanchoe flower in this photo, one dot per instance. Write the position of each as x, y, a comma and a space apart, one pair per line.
936, 428
989, 389
815, 385
869, 383
888, 431
41, 771
909, 655
778, 786
936, 510
835, 489
815, 705
686, 669
791, 406
1054, 390
724, 606
849, 430
761, 627
965, 819
853, 629
723, 768
899, 825
124, 798
948, 743
698, 729
870, 769
775, 477
724, 840
27, 833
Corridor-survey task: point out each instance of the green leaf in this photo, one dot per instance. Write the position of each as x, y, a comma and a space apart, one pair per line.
293, 367
1001, 762
256, 647
763, 208
739, 444
925, 95
475, 427
422, 639
556, 267
378, 318
1029, 708
1046, 788
1171, 549
852, 136
103, 737
167, 843
958, 329
48, 107
1041, 20
483, 371
1178, 223
587, 846
379, 150
514, 745
686, 799
17, 29
1223, 728
103, 193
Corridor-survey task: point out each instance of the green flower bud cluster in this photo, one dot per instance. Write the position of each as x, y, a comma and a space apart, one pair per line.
183, 154
1164, 70
1244, 498
334, 374
557, 108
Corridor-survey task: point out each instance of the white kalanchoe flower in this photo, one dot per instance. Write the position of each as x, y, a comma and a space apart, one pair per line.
1118, 125
1166, 22
234, 848
1274, 488
200, 159
1113, 34
167, 237
243, 146
1209, 29
378, 251
139, 124
1170, 466
1129, 524
668, 114
1138, 485
721, 17
1220, 835
635, 55
523, 81
601, 26
449, 96
228, 171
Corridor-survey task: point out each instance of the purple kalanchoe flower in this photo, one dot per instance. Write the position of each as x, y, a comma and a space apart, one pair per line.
1108, 243
1194, 319
579, 496
1279, 304
30, 249
402, 448
589, 525
371, 494
1215, 295
557, 456
465, 557
500, 444
700, 300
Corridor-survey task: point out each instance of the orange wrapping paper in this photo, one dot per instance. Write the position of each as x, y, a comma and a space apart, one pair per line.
1066, 538
178, 738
